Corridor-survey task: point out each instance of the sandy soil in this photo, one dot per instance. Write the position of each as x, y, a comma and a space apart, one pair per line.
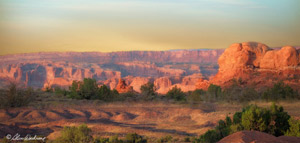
153, 120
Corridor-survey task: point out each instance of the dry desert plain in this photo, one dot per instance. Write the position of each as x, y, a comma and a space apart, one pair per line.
51, 113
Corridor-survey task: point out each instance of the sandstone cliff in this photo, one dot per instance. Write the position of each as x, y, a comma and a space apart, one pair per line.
40, 70
122, 87
257, 65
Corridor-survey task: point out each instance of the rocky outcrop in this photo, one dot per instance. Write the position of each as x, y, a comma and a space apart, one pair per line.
137, 82
40, 70
162, 84
39, 75
258, 137
278, 59
122, 87
257, 65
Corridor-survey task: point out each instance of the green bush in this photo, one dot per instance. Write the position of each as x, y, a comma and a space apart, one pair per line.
274, 121
148, 90
281, 120
213, 92
280, 91
187, 139
115, 139
89, 89
134, 138
80, 134
104, 93
165, 139
294, 129
176, 94
196, 96
59, 91
14, 97
256, 118
101, 140
211, 136
85, 89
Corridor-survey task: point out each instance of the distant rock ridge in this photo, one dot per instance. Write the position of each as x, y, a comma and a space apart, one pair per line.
181, 56
40, 70
257, 65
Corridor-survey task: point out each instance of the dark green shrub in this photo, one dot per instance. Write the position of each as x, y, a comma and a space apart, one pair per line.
85, 89
101, 140
104, 93
14, 97
59, 91
165, 139
134, 138
273, 121
211, 136
148, 90
214, 92
176, 94
237, 93
88, 89
186, 139
196, 96
256, 118
115, 139
279, 120
80, 134
280, 91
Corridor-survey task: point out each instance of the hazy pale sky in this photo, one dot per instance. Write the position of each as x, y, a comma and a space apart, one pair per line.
124, 25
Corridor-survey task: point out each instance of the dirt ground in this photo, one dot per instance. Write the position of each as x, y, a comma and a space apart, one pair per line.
151, 119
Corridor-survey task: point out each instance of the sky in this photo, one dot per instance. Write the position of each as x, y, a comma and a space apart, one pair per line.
150, 25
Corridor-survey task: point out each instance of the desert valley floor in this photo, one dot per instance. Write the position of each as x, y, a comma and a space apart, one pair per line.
152, 119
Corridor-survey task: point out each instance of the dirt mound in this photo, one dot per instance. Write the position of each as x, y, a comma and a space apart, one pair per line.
151, 114
123, 117
35, 115
256, 137
53, 116
95, 114
181, 119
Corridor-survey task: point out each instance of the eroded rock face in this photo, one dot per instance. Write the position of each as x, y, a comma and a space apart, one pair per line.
277, 59
122, 87
41, 75
256, 64
242, 55
162, 84
256, 136
40, 70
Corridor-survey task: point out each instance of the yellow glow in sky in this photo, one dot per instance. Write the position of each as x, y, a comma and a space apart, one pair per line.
125, 25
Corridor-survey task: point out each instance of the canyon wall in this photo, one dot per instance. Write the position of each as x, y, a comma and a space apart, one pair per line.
166, 69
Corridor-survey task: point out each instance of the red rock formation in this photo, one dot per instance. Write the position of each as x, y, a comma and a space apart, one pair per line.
122, 87
162, 84
137, 82
40, 75
257, 65
40, 70
257, 137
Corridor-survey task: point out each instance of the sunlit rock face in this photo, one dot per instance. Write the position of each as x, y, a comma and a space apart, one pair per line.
257, 65
166, 69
